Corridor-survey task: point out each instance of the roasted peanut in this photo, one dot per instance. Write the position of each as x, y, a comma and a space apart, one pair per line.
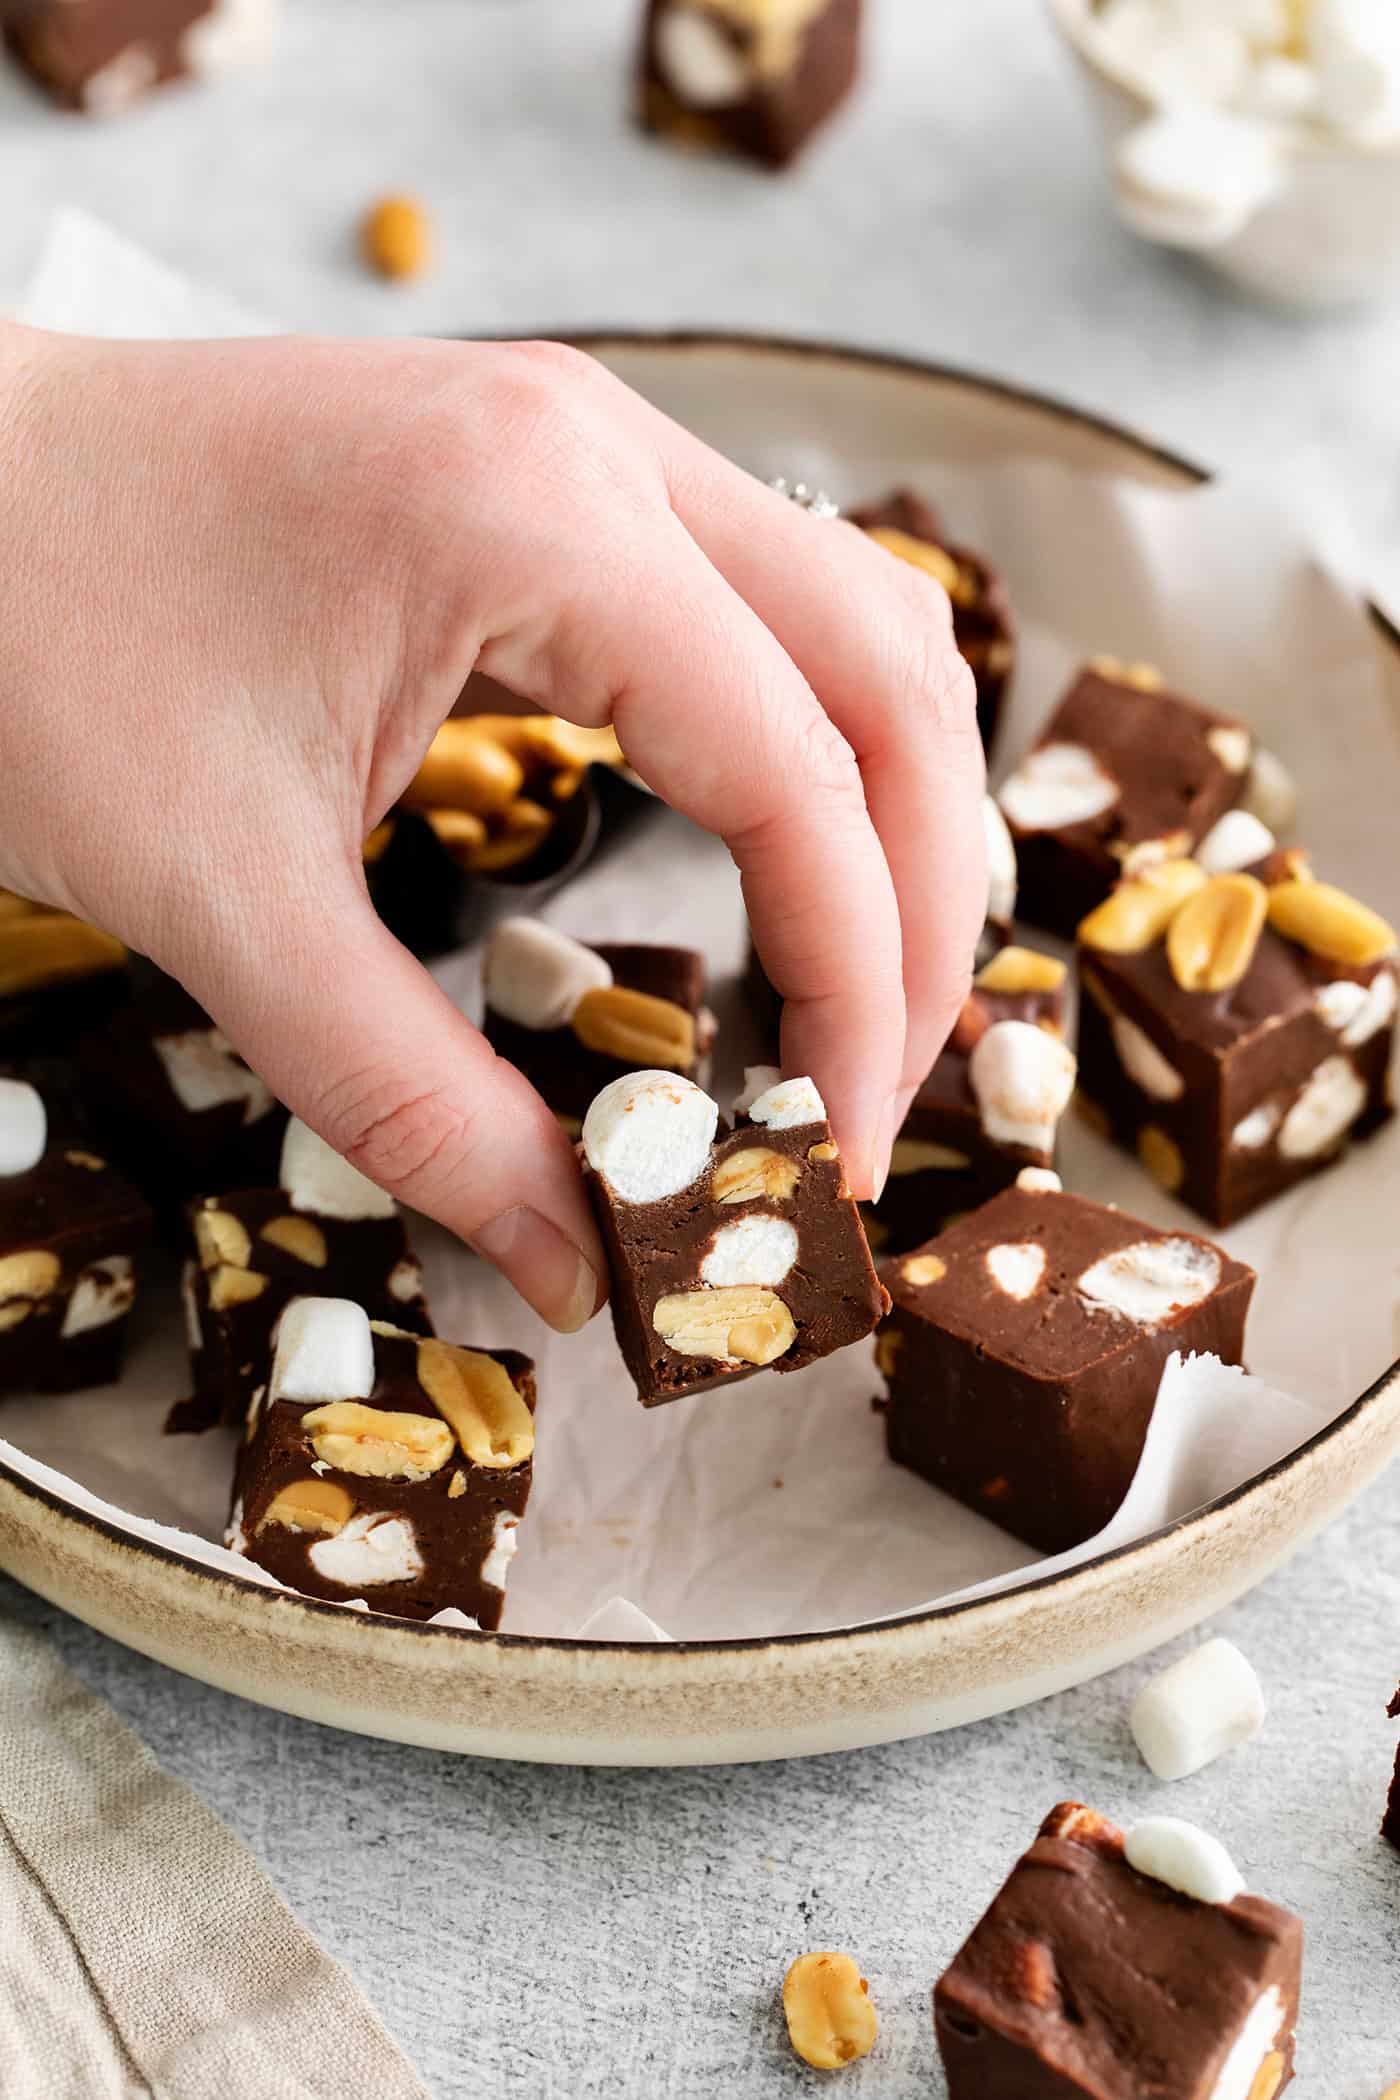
466, 769
921, 1269
1329, 923
376, 1443
1162, 1157
635, 1028
1212, 940
740, 1323
478, 1398
310, 1505
396, 238
826, 2003
220, 1237
1139, 911
756, 1171
302, 1238
1015, 970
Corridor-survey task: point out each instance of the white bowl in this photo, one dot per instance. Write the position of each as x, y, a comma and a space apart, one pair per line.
1326, 235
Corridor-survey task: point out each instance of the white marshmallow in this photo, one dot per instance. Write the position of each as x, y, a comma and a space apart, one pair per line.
1254, 1131
1271, 792
1188, 1860
1209, 1702
450, 1616
535, 976
24, 1127
1039, 1181
649, 1134
1280, 89
1151, 1279
232, 33
205, 1071
317, 1179
620, 1620
1180, 53
1017, 1267
754, 1249
1001, 864
325, 1351
788, 1105
235, 1537
406, 1279
758, 1080
1329, 1104
1193, 175
1143, 1061
1232, 746
502, 1551
122, 81
369, 1549
698, 61
1253, 2046
1237, 840
1023, 1078
1355, 46
1057, 785
103, 1292
1357, 1011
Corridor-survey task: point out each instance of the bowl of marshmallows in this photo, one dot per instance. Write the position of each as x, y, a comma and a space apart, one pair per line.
1264, 135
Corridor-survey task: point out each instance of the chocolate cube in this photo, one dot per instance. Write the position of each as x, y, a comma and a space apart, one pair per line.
385, 1466
70, 1233
1025, 1347
983, 623
1088, 1979
757, 77
1234, 1032
100, 56
1125, 773
326, 1230
725, 1254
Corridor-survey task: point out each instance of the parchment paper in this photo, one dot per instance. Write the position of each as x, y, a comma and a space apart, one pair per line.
771, 1507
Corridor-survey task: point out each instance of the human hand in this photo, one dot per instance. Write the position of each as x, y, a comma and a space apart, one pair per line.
246, 582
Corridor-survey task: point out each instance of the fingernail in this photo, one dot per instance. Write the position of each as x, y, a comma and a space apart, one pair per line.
544, 1265
884, 1147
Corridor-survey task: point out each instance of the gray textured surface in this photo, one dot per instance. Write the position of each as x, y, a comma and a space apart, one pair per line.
534, 1933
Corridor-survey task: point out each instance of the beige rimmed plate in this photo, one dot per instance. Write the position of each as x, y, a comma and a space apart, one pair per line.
713, 1701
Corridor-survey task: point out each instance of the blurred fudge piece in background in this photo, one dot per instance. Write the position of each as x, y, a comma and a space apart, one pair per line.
100, 56
758, 77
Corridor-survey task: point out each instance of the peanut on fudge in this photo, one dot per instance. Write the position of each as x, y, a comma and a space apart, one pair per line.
1024, 1349
725, 1254
1112, 1965
385, 1466
757, 77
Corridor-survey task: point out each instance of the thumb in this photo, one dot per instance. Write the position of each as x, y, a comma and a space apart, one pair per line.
355, 1037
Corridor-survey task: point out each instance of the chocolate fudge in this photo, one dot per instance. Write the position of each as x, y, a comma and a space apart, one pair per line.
171, 1099
325, 1229
983, 624
725, 1253
1235, 1032
757, 77
100, 56
59, 977
71, 1232
574, 1018
1025, 1347
1390, 1828
1125, 773
385, 1466
1090, 1979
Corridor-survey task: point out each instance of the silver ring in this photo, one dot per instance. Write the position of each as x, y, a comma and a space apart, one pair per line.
815, 502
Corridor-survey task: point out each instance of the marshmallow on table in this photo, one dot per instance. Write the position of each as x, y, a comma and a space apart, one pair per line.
24, 1127
1186, 1859
1205, 1704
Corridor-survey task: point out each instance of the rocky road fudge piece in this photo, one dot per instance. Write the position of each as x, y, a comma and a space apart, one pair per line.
58, 978
70, 1233
1235, 1032
725, 1254
102, 55
574, 1018
1025, 1347
325, 1229
1390, 1828
983, 624
1112, 1966
386, 1466
758, 77
1124, 774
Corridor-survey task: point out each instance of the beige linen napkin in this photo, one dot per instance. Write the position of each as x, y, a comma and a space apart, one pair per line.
144, 1955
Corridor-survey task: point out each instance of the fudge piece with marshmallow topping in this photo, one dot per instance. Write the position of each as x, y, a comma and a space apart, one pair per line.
104, 55
574, 1018
1124, 773
324, 1228
1235, 1030
71, 1232
1112, 1964
385, 1466
757, 77
726, 1253
1025, 1347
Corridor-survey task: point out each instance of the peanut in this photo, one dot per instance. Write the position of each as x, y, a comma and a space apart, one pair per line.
635, 1028
522, 829
922, 554
1213, 938
220, 1237
299, 1237
32, 1273
231, 1286
478, 1399
740, 1323
754, 1172
466, 769
1161, 1155
826, 2003
1139, 911
376, 1443
1329, 923
1014, 970
459, 831
396, 238
310, 1505
922, 1269
43, 948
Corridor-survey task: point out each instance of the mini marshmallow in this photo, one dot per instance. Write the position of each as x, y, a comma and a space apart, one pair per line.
1254, 1131
104, 1292
1150, 1280
317, 1179
620, 1620
1236, 841
1329, 1104
1017, 1267
758, 1080
1039, 1181
788, 1105
369, 1549
1179, 53
325, 1351
1001, 864
1357, 1011
698, 61
649, 1134
1240, 2074
755, 1249
1234, 747
535, 976
450, 1616
1023, 1078
1270, 792
1207, 1703
232, 33
1194, 175
24, 1127
1355, 46
1057, 785
1188, 1860
1143, 1061
205, 1071
503, 1549
406, 1279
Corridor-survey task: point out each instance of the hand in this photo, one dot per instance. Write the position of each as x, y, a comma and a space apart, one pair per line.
246, 582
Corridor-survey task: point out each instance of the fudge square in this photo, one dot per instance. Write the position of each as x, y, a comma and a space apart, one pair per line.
983, 625
1235, 1032
1117, 1966
574, 1018
725, 1254
1025, 1347
102, 55
325, 1229
758, 77
1124, 773
70, 1233
385, 1465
